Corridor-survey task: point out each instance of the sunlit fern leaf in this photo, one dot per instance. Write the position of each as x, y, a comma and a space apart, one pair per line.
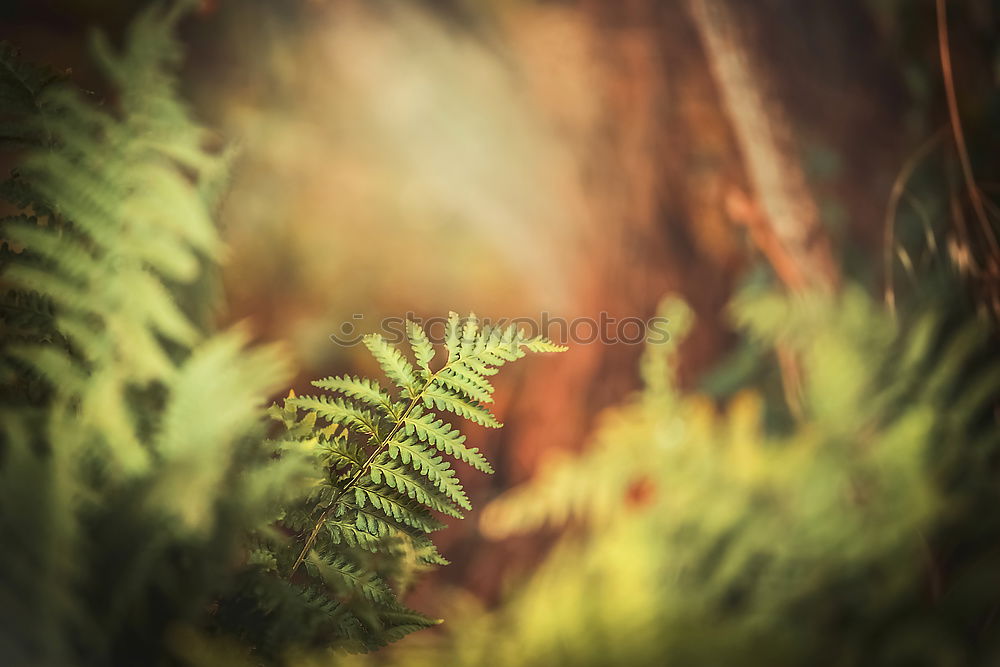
540, 344
423, 350
453, 335
392, 361
462, 379
339, 411
478, 367
365, 390
492, 349
440, 473
441, 435
391, 470
303, 428
469, 329
375, 522
443, 399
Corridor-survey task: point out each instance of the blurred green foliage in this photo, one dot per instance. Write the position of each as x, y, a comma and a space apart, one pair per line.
839, 511
147, 513
123, 421
859, 532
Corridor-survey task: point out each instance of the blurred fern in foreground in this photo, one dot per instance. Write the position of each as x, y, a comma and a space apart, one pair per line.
122, 421
147, 514
861, 534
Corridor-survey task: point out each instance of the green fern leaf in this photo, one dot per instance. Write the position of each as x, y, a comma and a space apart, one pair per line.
343, 531
459, 377
542, 344
400, 622
453, 336
400, 508
427, 553
372, 523
442, 436
423, 351
346, 578
365, 390
443, 399
339, 411
469, 329
434, 468
397, 476
392, 361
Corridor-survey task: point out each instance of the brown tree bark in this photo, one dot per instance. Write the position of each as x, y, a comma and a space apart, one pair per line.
785, 224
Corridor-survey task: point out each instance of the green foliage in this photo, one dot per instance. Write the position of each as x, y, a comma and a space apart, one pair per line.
147, 514
380, 457
700, 534
126, 450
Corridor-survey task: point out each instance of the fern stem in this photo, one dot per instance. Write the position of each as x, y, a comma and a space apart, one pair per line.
361, 472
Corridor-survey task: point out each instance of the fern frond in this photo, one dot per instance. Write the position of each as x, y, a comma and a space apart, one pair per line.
365, 390
400, 622
343, 531
443, 399
426, 553
400, 508
141, 463
397, 472
339, 411
347, 577
373, 522
399, 478
264, 559
441, 435
423, 351
453, 335
542, 344
462, 378
469, 329
340, 452
112, 219
434, 468
392, 361
199, 453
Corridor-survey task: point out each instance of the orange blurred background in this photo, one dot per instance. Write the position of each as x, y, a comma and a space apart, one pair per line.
514, 158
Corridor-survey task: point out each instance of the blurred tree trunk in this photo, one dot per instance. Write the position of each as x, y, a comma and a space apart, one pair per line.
660, 157
787, 228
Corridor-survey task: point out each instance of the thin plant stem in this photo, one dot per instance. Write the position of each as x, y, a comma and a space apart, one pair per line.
956, 125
